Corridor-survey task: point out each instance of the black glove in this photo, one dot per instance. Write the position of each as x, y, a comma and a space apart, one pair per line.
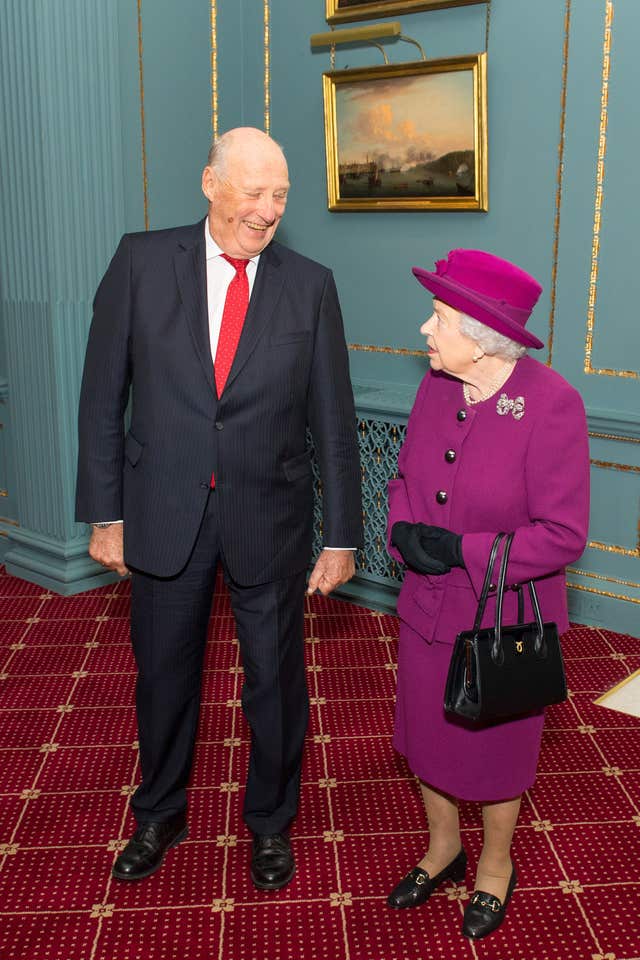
442, 545
407, 538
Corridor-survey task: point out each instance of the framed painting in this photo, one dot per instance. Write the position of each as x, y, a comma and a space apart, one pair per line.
409, 136
344, 11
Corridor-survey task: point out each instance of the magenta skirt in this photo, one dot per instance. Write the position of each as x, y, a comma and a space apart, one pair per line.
489, 763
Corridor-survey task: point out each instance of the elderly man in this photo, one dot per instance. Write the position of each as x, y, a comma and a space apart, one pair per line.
231, 346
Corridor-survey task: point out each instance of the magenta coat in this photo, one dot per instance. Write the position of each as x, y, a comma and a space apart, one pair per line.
476, 471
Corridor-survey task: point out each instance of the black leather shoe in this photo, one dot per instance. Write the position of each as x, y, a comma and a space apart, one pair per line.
417, 886
147, 848
484, 912
272, 863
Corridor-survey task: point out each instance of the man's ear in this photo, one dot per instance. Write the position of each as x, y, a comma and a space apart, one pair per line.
209, 183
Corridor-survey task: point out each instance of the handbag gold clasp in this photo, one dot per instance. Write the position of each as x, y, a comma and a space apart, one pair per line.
519, 646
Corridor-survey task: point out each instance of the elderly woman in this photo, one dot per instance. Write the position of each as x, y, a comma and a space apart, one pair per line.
496, 441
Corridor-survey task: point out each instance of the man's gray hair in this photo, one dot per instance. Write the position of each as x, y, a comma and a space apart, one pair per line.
490, 341
216, 157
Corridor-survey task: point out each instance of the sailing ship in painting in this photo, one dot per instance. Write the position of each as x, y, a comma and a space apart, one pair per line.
450, 174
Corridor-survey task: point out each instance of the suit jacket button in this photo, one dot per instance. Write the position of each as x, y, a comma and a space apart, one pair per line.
441, 496
461, 415
450, 456
204, 485
219, 425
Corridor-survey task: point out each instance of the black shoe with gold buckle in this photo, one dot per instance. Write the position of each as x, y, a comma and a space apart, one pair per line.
417, 886
485, 913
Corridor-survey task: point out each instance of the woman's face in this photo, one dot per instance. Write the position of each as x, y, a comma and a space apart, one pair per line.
448, 349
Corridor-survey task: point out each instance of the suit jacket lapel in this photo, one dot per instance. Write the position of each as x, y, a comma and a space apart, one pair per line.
264, 297
190, 267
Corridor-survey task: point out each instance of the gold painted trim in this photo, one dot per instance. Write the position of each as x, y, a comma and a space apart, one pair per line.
617, 687
145, 182
4, 493
614, 436
559, 179
214, 69
613, 548
387, 8
600, 171
598, 576
267, 68
608, 465
397, 351
602, 593
476, 64
609, 547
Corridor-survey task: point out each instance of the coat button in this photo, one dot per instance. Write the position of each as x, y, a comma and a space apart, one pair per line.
450, 456
461, 415
204, 485
219, 425
441, 496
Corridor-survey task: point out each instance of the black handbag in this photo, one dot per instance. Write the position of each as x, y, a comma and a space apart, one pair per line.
500, 672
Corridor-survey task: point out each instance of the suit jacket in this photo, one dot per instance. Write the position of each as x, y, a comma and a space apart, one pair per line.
502, 473
150, 333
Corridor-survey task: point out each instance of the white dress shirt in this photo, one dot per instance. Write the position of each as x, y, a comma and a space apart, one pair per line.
220, 273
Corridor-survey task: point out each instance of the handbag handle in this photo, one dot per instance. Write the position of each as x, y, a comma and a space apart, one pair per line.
482, 602
496, 649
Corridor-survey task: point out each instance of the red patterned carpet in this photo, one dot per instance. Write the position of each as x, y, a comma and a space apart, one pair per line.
68, 764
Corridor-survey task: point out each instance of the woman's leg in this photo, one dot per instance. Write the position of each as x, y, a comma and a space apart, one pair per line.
444, 830
494, 865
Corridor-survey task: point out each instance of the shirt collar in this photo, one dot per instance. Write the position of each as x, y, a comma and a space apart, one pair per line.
212, 248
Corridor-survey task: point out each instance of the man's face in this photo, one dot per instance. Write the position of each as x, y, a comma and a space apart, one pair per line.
247, 198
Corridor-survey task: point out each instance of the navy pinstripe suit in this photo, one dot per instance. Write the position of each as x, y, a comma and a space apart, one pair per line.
150, 336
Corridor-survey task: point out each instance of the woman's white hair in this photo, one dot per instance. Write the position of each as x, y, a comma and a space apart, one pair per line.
490, 341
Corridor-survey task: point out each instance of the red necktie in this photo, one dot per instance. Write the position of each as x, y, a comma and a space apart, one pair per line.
235, 310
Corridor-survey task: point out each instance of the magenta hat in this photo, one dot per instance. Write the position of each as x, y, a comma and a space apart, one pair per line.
492, 290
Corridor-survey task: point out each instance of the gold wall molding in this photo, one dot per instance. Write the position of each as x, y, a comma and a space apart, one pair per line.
267, 67
603, 593
214, 69
397, 351
614, 548
611, 547
559, 177
597, 216
143, 134
601, 576
609, 465
614, 436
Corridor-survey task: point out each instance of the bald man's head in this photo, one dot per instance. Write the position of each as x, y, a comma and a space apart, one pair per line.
246, 182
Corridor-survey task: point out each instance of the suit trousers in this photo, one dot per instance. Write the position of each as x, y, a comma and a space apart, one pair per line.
169, 621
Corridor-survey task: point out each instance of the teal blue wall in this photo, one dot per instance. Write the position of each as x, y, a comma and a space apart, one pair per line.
539, 215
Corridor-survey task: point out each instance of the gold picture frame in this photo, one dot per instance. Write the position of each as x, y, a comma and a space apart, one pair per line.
387, 150
346, 11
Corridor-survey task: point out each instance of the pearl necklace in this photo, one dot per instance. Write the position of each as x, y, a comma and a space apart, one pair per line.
494, 385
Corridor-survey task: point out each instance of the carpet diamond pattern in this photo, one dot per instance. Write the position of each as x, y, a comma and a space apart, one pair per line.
69, 763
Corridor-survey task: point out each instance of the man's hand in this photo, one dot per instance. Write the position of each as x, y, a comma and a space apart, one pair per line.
333, 568
107, 547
